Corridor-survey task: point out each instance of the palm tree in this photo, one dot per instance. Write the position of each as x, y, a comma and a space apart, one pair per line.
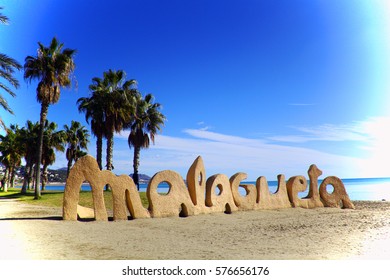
108, 108
93, 107
77, 138
53, 67
11, 154
29, 140
8, 66
118, 106
145, 126
52, 140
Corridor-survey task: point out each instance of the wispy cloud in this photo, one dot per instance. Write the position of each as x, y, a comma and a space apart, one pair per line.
269, 156
368, 132
203, 126
223, 138
371, 137
326, 132
230, 154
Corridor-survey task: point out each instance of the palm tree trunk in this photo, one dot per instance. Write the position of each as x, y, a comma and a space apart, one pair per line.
12, 177
25, 179
137, 151
44, 110
9, 178
69, 167
110, 148
30, 178
44, 177
99, 151
5, 180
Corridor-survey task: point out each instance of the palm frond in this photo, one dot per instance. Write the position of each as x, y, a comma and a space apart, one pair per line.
8, 76
8, 63
3, 19
53, 68
4, 104
7, 89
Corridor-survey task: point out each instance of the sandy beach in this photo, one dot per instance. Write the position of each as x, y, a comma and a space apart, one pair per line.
36, 232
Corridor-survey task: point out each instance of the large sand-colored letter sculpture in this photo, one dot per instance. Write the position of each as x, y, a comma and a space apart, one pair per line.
199, 196
124, 192
299, 184
176, 202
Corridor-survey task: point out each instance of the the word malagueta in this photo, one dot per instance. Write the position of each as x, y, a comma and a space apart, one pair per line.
198, 196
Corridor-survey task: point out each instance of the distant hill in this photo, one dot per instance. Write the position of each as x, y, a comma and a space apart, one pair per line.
142, 177
63, 169
58, 175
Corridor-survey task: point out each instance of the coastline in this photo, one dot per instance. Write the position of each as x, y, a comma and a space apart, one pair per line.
63, 184
284, 234
53, 184
357, 189
56, 184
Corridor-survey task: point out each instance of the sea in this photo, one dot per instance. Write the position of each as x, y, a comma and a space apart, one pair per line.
357, 189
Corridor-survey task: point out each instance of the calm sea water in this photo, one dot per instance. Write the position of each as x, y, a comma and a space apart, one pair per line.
357, 189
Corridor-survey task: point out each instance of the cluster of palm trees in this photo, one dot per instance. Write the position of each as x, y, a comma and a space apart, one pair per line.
21, 143
114, 105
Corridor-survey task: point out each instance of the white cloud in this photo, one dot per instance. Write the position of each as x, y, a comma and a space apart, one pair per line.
218, 137
371, 137
229, 154
203, 126
377, 145
326, 132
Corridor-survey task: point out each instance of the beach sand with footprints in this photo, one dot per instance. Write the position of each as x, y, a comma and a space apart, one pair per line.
37, 232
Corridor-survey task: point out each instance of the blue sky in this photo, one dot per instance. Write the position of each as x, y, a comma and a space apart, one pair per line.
262, 87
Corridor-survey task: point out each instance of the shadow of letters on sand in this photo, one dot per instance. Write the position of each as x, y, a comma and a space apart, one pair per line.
199, 196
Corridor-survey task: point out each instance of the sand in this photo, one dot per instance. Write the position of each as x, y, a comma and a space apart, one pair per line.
36, 232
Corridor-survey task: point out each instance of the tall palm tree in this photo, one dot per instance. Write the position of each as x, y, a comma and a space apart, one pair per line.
52, 141
53, 67
8, 66
77, 138
118, 107
108, 108
29, 138
147, 122
93, 108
